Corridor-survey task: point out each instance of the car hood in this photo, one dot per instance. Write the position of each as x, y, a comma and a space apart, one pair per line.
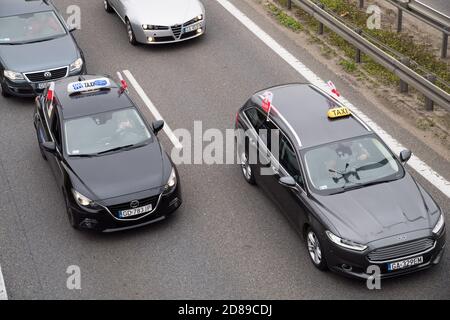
164, 13
120, 173
379, 211
39, 56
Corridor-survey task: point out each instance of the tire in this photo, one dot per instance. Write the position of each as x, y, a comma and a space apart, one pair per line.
315, 250
74, 220
107, 6
246, 169
130, 33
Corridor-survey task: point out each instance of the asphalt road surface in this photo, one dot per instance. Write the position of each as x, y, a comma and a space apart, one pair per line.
228, 241
442, 6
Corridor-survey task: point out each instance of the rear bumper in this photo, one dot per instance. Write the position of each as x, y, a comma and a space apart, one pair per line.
356, 265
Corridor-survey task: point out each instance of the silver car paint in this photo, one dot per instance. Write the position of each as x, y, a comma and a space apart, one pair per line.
157, 12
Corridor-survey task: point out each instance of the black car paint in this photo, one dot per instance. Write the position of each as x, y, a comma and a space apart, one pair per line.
30, 57
110, 179
373, 215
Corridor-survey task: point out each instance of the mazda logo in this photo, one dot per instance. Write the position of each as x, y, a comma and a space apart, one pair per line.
48, 75
134, 204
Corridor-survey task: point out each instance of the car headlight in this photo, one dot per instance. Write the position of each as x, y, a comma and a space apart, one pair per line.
171, 182
348, 244
439, 225
147, 27
82, 200
12, 75
76, 65
199, 17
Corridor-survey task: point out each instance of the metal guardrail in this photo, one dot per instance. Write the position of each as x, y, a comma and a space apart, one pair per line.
400, 67
423, 13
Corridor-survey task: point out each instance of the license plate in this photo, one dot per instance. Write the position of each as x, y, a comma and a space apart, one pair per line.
42, 85
135, 212
403, 264
192, 27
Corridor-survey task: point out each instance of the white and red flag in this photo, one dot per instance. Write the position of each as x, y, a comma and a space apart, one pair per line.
267, 98
333, 89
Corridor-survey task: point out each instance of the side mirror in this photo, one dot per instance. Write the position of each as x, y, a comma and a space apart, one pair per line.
288, 182
49, 146
157, 126
405, 155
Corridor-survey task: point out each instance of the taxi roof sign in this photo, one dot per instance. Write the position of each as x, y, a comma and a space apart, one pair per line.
339, 112
88, 85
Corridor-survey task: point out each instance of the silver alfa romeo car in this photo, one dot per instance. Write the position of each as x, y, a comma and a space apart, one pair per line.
160, 21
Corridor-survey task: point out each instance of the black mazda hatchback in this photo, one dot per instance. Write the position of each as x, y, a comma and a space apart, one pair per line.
107, 160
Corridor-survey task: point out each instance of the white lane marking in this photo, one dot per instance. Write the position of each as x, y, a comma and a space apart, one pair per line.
3, 295
176, 142
421, 167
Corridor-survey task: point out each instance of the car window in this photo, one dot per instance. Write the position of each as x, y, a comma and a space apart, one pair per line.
256, 117
288, 160
30, 27
56, 128
351, 163
101, 132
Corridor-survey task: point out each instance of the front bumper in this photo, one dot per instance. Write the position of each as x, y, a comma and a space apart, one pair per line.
167, 36
104, 219
356, 264
27, 89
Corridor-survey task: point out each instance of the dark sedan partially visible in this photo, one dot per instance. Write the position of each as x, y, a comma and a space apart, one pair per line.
36, 46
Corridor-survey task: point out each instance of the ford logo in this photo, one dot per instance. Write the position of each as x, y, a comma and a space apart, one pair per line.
134, 204
48, 75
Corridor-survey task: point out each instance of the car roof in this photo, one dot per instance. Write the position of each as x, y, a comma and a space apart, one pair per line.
88, 103
301, 110
16, 7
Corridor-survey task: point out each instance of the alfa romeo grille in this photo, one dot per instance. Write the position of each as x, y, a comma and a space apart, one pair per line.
401, 250
47, 75
176, 30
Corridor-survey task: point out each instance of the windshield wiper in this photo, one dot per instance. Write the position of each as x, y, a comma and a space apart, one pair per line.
35, 41
359, 185
88, 155
127, 147
116, 149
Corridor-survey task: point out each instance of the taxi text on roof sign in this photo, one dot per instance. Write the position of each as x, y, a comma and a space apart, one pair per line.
88, 85
339, 112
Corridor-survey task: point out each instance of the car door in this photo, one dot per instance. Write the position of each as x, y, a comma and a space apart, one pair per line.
290, 200
258, 142
56, 136
40, 122
119, 6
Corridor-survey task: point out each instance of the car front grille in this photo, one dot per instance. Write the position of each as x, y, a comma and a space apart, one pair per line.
164, 39
176, 30
43, 76
115, 209
400, 250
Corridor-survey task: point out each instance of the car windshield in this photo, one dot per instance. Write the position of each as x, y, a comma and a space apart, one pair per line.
349, 164
105, 132
30, 27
